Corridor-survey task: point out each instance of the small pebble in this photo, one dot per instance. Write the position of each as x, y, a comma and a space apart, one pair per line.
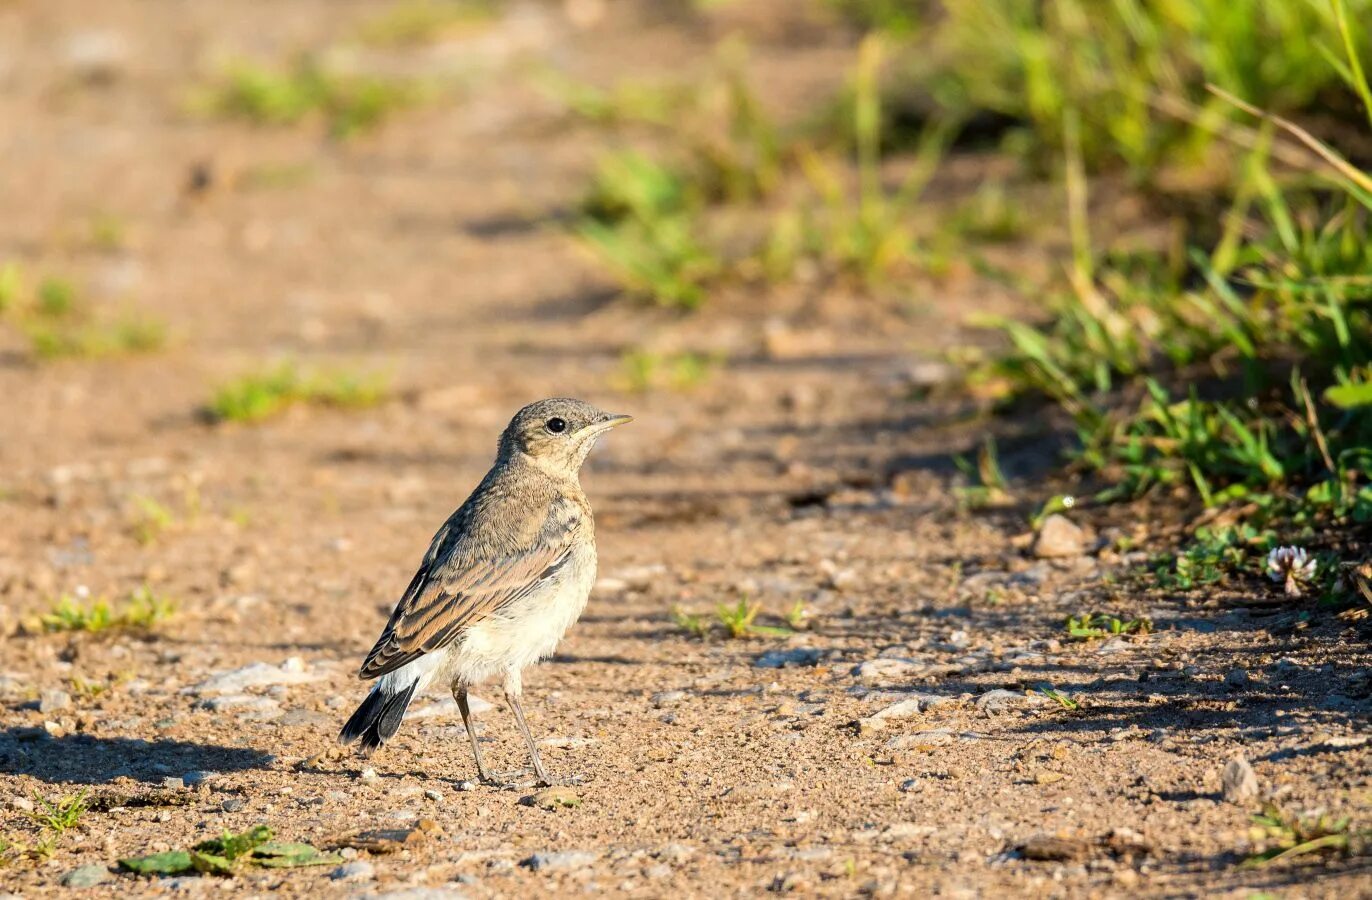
233, 804
87, 876
368, 774
1239, 781
52, 701
357, 870
664, 699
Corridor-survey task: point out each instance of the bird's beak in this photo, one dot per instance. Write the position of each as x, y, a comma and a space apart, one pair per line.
605, 424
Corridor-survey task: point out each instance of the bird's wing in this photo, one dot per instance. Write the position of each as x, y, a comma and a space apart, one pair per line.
465, 579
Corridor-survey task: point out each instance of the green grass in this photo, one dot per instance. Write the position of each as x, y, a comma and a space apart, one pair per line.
693, 624
1282, 836
150, 519
257, 396
129, 335
348, 103
737, 621
59, 324
59, 816
1236, 369
990, 487
645, 370
1058, 697
740, 620
141, 610
1134, 73
1089, 626
414, 22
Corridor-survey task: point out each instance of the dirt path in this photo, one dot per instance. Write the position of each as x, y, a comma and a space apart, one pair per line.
879, 759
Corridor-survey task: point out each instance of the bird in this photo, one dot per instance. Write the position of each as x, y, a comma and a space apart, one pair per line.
503, 579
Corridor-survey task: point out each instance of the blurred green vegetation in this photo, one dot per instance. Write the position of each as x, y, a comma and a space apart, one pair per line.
1232, 362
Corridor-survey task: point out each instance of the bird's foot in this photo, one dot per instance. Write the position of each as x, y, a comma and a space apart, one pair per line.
515, 778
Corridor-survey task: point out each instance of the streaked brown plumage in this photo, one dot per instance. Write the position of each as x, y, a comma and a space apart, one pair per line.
502, 580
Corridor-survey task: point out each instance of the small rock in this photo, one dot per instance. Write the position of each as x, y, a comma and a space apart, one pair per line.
1047, 848
1237, 679
234, 681
994, 701
233, 804
560, 860
911, 785
197, 777
242, 702
358, 870
173, 783
786, 659
556, 797
52, 701
674, 852
1059, 537
87, 876
368, 774
664, 699
433, 795
1238, 780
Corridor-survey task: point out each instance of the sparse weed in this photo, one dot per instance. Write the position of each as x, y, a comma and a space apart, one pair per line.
348, 103
108, 232
1058, 697
130, 335
412, 22
1088, 626
798, 617
740, 620
1280, 835
11, 286
259, 396
644, 370
643, 223
1215, 556
866, 232
150, 519
992, 215
693, 624
59, 816
991, 488
142, 610
58, 324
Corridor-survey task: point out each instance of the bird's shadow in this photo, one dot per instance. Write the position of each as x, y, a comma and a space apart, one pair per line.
86, 759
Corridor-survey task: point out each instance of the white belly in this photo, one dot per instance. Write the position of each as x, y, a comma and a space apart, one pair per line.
503, 644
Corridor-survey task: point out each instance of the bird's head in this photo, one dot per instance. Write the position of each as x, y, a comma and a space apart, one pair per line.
556, 434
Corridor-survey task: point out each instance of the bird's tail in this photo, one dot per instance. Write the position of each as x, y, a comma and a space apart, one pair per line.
378, 718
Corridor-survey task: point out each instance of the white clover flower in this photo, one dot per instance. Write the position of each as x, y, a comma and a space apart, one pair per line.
1291, 566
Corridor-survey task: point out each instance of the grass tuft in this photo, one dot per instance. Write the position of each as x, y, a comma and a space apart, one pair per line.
142, 610
258, 396
59, 324
414, 22
1282, 836
350, 104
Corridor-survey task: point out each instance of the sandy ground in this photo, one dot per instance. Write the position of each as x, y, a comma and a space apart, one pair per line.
900, 747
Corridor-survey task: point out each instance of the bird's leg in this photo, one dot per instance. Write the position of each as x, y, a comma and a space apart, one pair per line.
512, 693
460, 695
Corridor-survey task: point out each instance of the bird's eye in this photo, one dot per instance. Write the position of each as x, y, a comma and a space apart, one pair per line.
556, 425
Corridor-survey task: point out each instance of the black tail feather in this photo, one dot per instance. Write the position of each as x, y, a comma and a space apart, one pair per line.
377, 719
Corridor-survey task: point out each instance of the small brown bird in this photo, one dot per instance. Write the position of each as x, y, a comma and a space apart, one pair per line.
504, 579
